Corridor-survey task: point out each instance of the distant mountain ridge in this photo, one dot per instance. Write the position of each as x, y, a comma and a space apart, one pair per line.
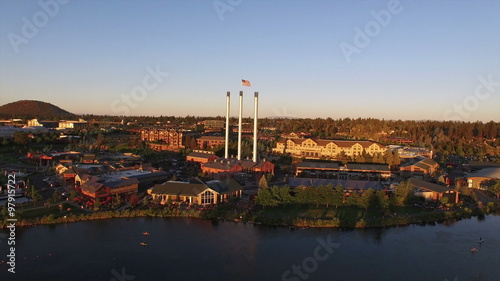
33, 109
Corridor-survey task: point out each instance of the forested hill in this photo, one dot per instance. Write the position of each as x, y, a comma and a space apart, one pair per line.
33, 109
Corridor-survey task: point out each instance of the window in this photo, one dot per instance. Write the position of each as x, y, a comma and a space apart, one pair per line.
207, 197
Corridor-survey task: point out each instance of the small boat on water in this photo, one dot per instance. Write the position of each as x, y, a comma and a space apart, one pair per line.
146, 233
144, 244
474, 249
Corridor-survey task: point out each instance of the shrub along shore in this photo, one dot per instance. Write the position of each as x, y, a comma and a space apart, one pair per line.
345, 217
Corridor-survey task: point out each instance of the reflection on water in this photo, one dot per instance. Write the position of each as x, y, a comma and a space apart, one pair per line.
190, 249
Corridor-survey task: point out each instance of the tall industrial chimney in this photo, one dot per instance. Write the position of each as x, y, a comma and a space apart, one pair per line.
255, 111
226, 154
239, 125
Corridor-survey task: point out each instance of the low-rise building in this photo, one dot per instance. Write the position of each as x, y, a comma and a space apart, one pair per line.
201, 156
419, 166
432, 191
348, 186
479, 178
196, 191
208, 142
97, 187
233, 166
318, 148
351, 171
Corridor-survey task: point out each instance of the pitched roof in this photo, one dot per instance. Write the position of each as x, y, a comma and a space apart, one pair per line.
429, 162
493, 173
179, 188
203, 155
428, 185
346, 184
247, 164
226, 186
209, 138
221, 164
368, 167
318, 165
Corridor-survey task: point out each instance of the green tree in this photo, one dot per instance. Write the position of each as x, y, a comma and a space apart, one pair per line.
382, 200
263, 182
34, 194
117, 201
21, 138
55, 198
97, 204
402, 193
325, 195
353, 199
338, 196
388, 157
305, 195
281, 194
366, 199
395, 158
145, 201
265, 198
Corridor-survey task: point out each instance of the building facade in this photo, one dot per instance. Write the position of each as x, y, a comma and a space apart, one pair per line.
207, 142
318, 148
171, 139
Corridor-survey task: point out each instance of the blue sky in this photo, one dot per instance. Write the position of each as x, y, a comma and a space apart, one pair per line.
426, 62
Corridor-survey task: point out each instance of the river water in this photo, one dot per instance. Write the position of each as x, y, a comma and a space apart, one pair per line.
192, 249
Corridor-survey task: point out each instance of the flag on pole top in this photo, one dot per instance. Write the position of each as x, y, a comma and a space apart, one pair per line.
245, 83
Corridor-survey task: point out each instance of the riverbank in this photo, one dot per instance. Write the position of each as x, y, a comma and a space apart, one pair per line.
341, 218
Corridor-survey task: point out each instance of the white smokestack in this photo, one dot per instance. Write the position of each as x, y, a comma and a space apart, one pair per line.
239, 125
255, 111
226, 154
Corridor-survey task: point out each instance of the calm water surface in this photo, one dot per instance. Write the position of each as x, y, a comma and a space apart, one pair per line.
191, 249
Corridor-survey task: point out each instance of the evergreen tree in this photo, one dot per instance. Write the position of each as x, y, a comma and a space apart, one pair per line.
97, 204
263, 183
395, 158
382, 200
281, 194
55, 198
366, 199
34, 194
265, 198
353, 199
325, 195
402, 193
338, 196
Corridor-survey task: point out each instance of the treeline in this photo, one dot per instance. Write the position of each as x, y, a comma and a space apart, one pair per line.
327, 195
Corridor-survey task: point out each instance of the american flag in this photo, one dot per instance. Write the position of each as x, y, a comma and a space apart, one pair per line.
245, 83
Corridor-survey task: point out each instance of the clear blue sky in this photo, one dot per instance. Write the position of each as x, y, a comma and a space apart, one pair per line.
88, 54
